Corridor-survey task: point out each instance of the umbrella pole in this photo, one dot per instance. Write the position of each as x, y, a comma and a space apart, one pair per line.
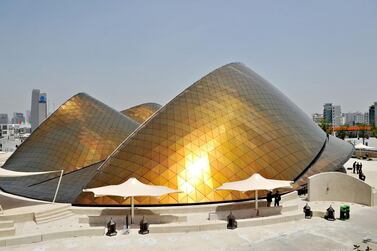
132, 210
256, 200
57, 188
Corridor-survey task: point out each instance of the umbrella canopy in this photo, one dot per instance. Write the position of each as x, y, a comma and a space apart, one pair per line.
362, 146
131, 188
255, 182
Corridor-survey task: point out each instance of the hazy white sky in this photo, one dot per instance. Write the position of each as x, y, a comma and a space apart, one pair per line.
129, 52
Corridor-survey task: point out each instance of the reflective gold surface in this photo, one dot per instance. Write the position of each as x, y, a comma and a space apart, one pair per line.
81, 132
141, 113
225, 127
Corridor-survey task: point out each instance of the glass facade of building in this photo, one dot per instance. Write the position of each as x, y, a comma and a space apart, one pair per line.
141, 113
225, 127
80, 133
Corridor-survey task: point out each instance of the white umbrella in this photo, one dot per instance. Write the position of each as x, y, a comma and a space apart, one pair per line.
255, 182
362, 146
131, 188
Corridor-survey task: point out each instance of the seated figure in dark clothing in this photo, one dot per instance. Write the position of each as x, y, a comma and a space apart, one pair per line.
269, 198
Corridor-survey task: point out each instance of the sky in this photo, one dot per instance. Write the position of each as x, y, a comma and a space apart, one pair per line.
129, 52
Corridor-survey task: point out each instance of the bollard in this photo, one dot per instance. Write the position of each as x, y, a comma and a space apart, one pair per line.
330, 214
144, 227
307, 211
232, 223
111, 228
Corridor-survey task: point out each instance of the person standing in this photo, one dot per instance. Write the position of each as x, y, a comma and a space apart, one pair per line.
357, 167
354, 167
269, 198
361, 168
277, 198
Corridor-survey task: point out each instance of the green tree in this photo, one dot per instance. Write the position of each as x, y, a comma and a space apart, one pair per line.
374, 131
326, 127
341, 134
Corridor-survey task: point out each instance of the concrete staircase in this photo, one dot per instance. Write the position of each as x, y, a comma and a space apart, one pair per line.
52, 214
7, 228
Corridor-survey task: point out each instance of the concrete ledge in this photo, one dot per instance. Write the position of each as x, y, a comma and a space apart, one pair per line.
10, 231
58, 216
216, 225
6, 224
52, 210
24, 239
17, 217
248, 213
289, 196
83, 219
121, 219
173, 228
374, 198
2, 243
93, 231
32, 238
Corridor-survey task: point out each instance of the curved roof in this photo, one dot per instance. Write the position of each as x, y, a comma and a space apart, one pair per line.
336, 152
81, 132
225, 127
142, 112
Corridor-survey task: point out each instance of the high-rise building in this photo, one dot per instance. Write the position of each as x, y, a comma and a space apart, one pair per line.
42, 107
366, 118
18, 118
332, 114
327, 113
38, 108
372, 114
349, 118
356, 118
317, 118
359, 118
28, 117
34, 109
4, 118
337, 118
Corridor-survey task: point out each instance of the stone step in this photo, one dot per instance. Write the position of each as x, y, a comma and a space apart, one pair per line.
52, 235
6, 224
54, 217
10, 231
53, 210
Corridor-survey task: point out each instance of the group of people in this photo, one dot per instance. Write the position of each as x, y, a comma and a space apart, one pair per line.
276, 196
357, 168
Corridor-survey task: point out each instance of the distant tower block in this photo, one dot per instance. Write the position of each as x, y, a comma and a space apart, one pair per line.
34, 109
42, 107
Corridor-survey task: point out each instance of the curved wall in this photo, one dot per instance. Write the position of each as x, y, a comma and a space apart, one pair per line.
335, 186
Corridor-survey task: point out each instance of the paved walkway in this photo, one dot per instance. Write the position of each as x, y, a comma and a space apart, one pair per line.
313, 234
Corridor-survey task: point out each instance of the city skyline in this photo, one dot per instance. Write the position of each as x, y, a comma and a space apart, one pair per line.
325, 49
